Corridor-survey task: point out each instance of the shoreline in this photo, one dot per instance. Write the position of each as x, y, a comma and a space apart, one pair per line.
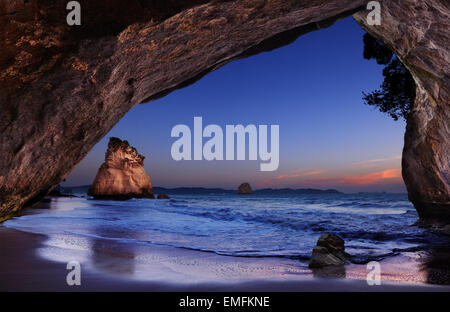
22, 269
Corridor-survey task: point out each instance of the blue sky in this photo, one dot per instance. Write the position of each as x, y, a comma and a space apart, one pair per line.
311, 88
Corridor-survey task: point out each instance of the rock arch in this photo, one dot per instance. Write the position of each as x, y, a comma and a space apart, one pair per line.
63, 88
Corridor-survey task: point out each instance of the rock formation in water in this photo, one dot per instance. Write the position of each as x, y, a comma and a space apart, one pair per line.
329, 251
245, 188
122, 175
62, 88
163, 196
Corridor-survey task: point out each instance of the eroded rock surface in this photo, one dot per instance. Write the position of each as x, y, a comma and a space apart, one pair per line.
419, 33
122, 175
329, 251
63, 88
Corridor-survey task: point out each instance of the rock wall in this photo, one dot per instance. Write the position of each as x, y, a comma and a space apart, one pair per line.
419, 33
122, 175
63, 88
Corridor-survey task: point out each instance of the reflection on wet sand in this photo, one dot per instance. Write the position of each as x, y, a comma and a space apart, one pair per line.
95, 236
111, 256
337, 271
116, 259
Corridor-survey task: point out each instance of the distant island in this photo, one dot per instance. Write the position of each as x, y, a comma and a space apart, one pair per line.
266, 191
297, 191
203, 190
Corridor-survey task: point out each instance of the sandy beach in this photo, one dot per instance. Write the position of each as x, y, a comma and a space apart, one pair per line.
22, 269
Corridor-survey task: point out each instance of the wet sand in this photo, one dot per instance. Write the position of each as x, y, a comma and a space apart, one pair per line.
21, 269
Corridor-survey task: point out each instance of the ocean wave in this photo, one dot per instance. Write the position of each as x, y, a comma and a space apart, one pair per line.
260, 226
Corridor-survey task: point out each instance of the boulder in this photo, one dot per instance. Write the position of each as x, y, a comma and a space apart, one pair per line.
163, 196
122, 175
244, 189
329, 251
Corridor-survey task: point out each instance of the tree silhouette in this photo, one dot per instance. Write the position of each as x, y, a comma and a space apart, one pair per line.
397, 92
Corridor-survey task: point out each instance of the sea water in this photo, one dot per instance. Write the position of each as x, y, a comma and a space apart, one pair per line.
374, 226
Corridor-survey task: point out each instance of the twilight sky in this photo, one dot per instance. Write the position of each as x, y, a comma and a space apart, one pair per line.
311, 89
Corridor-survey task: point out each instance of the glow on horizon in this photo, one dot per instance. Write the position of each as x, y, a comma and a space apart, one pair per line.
390, 177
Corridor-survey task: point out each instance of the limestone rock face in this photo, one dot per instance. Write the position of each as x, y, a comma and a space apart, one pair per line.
330, 251
419, 33
122, 175
62, 88
245, 188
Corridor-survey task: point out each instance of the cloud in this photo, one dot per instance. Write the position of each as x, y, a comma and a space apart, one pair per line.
377, 160
265, 183
374, 177
387, 176
377, 177
302, 174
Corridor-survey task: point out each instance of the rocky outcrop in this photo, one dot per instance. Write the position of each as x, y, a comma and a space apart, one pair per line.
419, 33
329, 251
163, 196
62, 88
122, 175
245, 189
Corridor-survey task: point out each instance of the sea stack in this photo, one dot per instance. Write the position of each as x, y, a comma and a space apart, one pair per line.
244, 189
122, 176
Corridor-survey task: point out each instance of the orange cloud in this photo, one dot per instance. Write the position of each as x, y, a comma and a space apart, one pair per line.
265, 183
373, 178
388, 175
303, 174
